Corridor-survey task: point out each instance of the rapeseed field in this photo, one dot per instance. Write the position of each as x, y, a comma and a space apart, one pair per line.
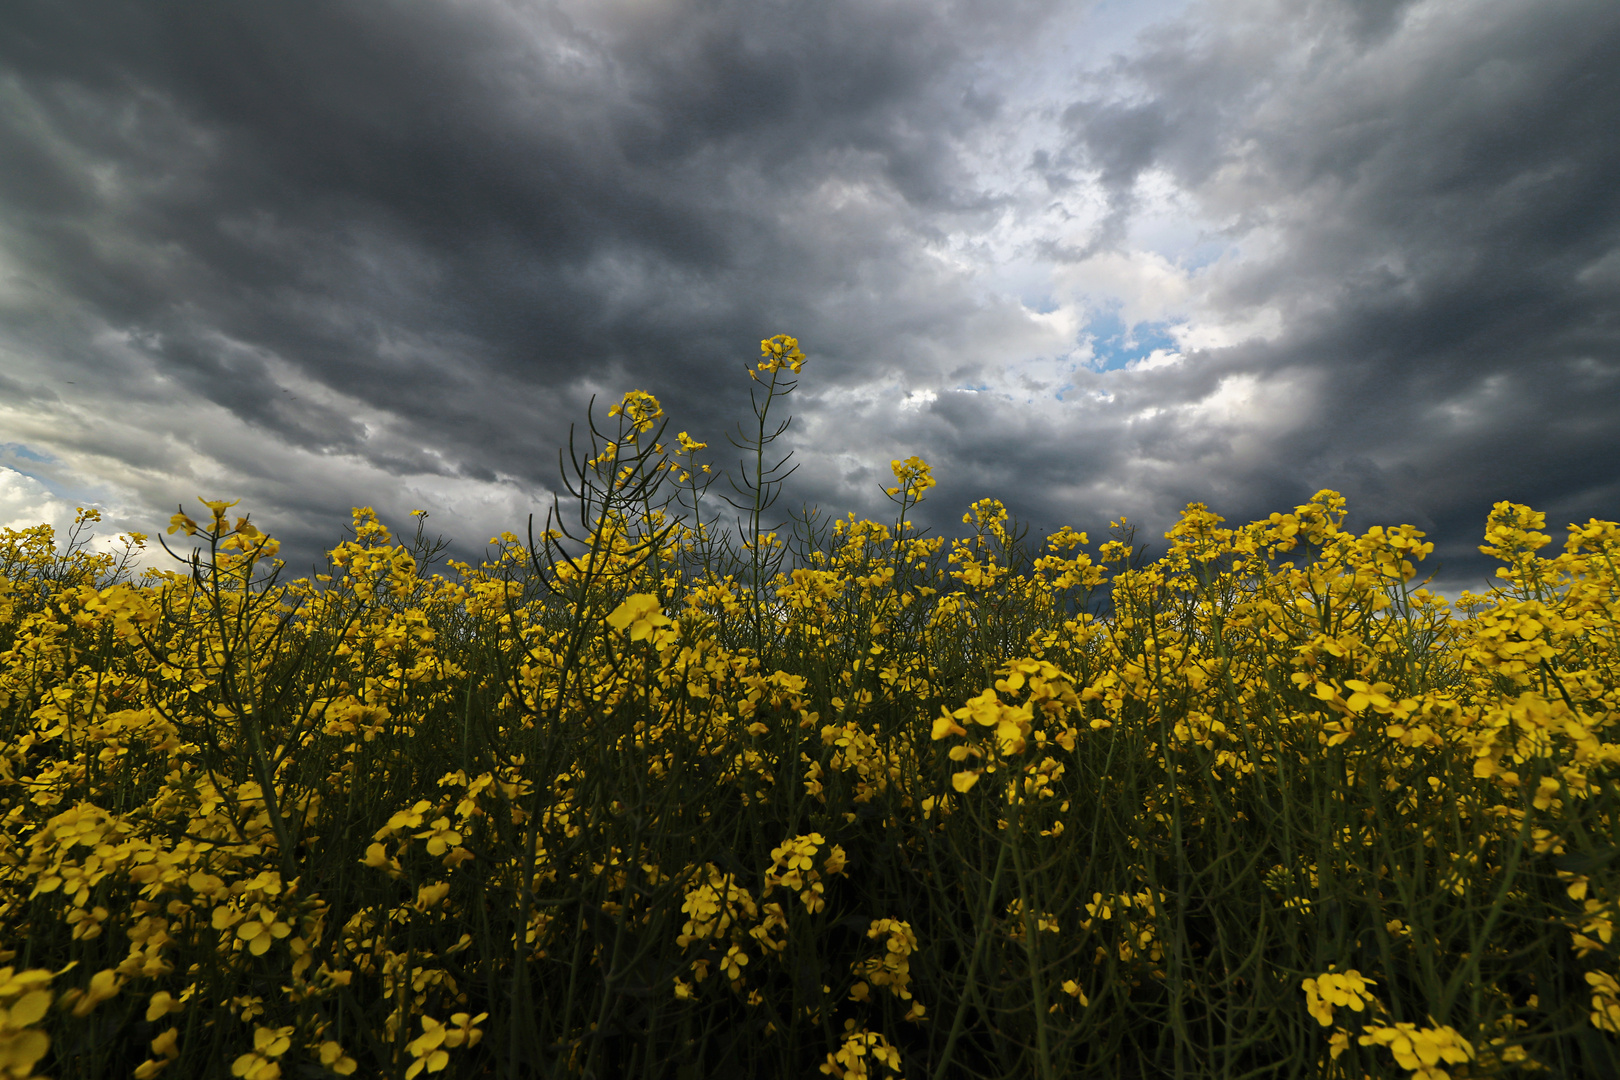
666, 788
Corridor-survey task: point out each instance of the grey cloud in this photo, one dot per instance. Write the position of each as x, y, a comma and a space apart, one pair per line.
1434, 188
312, 246
467, 218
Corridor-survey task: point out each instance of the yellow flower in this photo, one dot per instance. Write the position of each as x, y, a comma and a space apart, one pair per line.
103, 985
255, 1067
161, 1005
732, 963
262, 928
641, 409
440, 837
167, 1044
333, 1058
1345, 989
1605, 1001
24, 1000
268, 1044
914, 477
779, 352
1421, 1049
430, 1049
640, 614
272, 1042
850, 1060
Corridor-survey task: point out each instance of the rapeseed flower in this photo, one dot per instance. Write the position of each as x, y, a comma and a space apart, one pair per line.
975, 762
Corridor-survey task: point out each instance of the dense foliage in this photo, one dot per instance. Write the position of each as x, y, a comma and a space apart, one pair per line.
636, 798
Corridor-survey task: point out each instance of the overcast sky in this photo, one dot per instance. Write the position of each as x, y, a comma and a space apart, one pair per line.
1094, 259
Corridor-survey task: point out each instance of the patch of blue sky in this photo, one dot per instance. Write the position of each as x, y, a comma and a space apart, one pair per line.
1115, 345
24, 453
1040, 303
46, 470
1201, 255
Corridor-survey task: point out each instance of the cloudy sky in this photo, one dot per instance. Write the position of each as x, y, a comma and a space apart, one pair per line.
1095, 259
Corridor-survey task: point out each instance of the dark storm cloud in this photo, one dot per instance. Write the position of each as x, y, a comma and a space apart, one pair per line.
1436, 197
300, 252
465, 217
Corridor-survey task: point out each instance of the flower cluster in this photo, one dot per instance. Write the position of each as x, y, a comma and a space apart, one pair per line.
779, 352
913, 477
641, 412
793, 866
649, 796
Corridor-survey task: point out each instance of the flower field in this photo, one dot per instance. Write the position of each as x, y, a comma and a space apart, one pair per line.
639, 795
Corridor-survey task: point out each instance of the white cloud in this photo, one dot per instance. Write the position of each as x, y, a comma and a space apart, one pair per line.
25, 503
